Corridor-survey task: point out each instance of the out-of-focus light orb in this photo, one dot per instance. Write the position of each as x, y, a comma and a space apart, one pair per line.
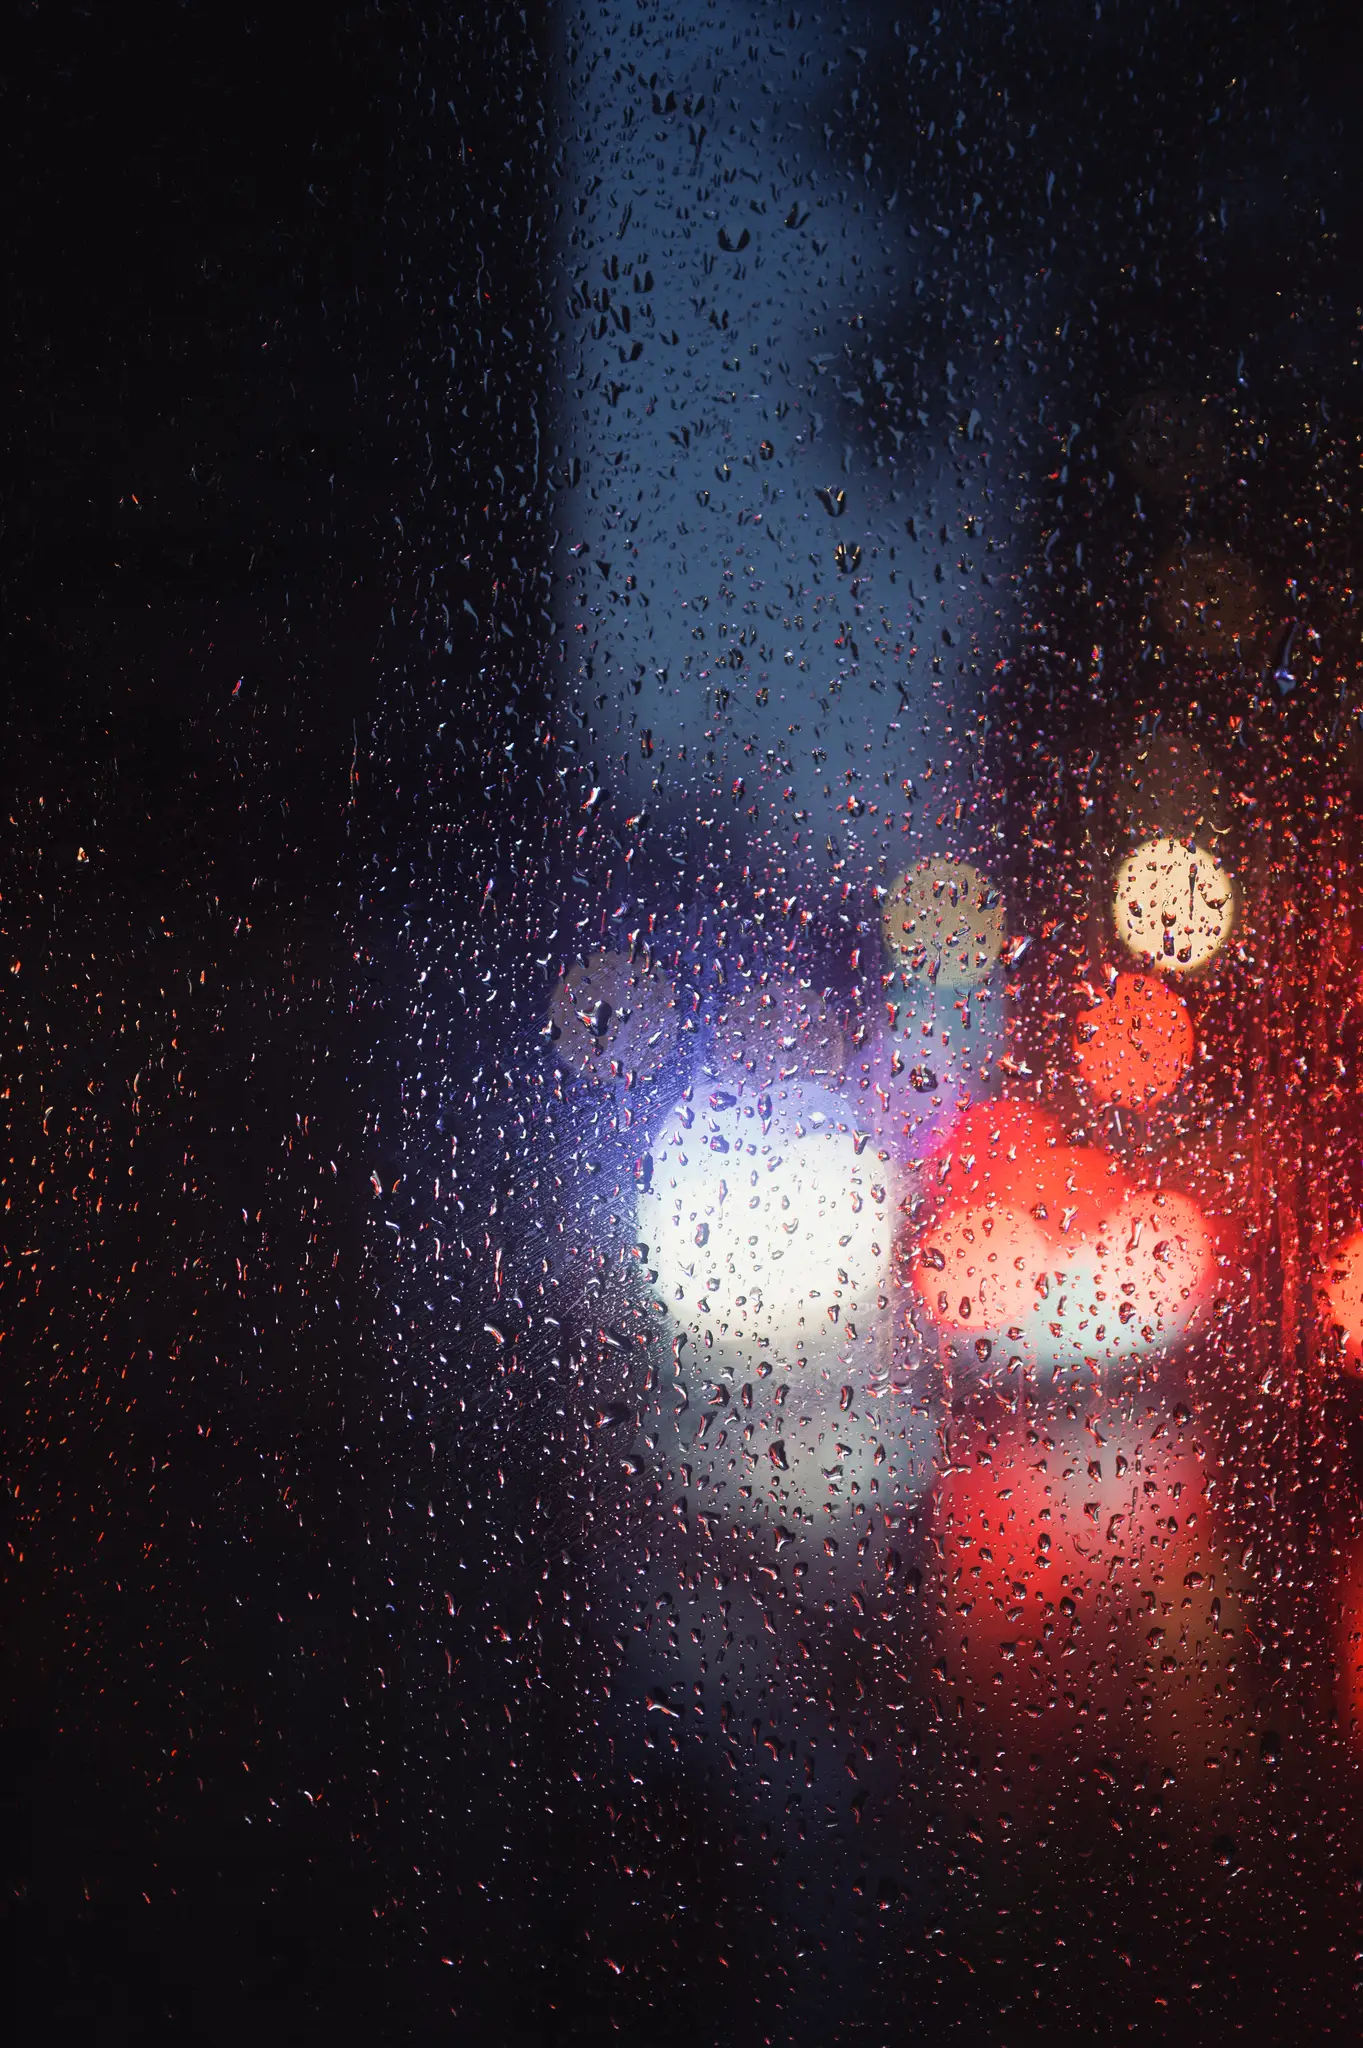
1045, 1249
769, 1223
1037, 1542
1344, 1296
1208, 601
1162, 1248
1135, 1046
613, 1016
1173, 904
1007, 1155
944, 920
1133, 1291
991, 1132
981, 1269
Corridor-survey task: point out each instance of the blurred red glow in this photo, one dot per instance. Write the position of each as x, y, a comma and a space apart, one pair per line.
995, 1128
1126, 1270
1344, 1296
1349, 1650
1038, 1540
1008, 1156
1162, 1249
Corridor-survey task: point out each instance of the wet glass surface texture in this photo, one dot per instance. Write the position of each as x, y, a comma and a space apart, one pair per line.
683, 942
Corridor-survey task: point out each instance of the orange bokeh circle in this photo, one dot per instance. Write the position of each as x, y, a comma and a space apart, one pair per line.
1344, 1296
977, 1268
1136, 1045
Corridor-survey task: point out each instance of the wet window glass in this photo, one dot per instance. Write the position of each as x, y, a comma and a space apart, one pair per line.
683, 1295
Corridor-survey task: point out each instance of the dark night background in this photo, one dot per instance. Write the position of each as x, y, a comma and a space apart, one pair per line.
275, 361
235, 240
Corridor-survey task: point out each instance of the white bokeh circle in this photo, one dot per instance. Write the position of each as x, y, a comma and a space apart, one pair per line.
1173, 904
769, 1220
945, 920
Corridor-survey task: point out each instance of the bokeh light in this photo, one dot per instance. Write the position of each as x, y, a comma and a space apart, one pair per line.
1344, 1296
1048, 1246
769, 1222
979, 1268
995, 1130
1208, 601
1049, 1548
1133, 1291
1136, 1044
1010, 1156
1173, 904
943, 919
